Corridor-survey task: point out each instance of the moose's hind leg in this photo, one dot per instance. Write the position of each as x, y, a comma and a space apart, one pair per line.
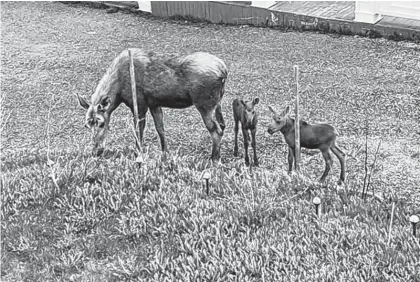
219, 117
342, 158
328, 163
215, 131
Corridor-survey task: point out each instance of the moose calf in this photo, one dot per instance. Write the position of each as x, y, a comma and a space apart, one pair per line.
243, 111
312, 136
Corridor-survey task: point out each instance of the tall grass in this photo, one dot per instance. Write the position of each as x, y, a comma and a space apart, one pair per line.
109, 219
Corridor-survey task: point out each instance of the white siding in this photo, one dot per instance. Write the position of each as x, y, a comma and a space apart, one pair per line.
402, 9
145, 6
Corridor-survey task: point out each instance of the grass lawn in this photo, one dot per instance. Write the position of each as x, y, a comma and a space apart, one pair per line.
79, 218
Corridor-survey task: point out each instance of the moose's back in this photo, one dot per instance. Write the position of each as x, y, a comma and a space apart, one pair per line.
312, 136
177, 81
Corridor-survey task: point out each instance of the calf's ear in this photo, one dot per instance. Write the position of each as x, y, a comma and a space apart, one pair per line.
271, 110
82, 102
256, 101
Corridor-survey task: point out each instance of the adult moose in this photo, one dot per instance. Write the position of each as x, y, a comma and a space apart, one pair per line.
312, 136
162, 81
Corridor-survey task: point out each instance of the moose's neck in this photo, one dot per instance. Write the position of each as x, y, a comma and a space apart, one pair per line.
109, 86
288, 127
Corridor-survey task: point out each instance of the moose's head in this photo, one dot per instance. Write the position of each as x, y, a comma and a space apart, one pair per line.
279, 120
97, 120
249, 113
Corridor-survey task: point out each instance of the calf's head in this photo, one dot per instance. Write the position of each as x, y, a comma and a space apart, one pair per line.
97, 120
249, 113
279, 120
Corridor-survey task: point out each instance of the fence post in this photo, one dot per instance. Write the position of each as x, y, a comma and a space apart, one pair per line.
135, 106
297, 128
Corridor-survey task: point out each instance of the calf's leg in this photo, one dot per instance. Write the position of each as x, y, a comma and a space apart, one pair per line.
246, 144
328, 162
254, 145
235, 148
342, 158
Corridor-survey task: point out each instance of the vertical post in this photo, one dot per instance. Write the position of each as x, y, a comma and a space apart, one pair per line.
297, 128
135, 106
390, 223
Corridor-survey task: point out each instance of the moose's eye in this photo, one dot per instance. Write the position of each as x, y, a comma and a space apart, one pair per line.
101, 125
278, 121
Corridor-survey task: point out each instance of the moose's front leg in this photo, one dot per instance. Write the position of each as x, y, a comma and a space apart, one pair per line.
290, 158
254, 146
157, 115
246, 144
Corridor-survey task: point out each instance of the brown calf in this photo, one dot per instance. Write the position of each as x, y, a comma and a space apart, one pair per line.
312, 136
244, 112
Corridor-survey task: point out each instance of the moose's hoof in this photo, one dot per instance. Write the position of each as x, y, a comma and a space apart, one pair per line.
256, 163
235, 153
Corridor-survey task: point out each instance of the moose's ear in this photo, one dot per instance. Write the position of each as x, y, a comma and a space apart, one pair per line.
271, 110
243, 103
256, 101
104, 104
82, 102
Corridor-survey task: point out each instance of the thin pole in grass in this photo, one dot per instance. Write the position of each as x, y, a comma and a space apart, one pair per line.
297, 130
139, 158
50, 163
390, 223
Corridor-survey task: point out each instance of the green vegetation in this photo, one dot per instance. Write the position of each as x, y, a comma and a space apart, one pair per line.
66, 216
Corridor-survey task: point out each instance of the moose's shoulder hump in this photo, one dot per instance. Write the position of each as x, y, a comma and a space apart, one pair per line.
205, 63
